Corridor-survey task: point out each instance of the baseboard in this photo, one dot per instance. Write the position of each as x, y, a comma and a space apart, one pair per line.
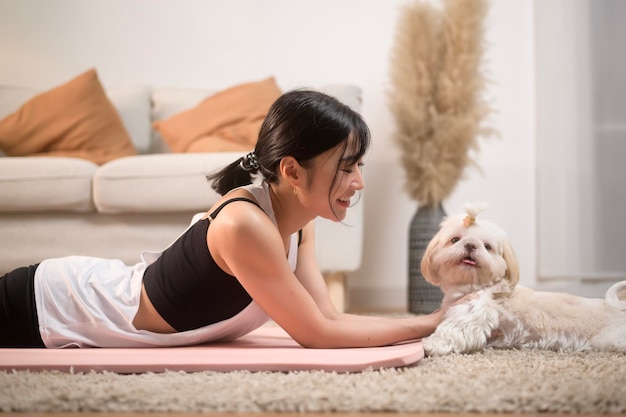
394, 299
376, 299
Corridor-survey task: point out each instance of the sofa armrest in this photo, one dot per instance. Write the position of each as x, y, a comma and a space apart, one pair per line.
339, 247
339, 244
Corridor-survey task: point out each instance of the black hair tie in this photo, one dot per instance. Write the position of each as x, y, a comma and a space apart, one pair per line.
250, 162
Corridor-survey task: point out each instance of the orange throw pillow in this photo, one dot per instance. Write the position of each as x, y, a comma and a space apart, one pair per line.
75, 119
229, 120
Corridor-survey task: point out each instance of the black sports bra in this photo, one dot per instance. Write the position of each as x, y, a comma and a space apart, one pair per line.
187, 287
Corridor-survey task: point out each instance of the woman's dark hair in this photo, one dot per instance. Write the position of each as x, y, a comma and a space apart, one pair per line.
302, 124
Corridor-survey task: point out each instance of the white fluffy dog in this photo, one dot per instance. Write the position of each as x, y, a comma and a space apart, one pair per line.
474, 256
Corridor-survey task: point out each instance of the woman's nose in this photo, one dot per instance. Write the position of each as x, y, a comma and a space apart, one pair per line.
358, 182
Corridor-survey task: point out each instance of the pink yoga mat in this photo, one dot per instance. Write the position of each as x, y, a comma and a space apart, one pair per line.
265, 349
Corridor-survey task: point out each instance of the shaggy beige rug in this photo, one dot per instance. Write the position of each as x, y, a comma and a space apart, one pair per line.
489, 381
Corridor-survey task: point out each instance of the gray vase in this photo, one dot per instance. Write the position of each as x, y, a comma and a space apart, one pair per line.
424, 297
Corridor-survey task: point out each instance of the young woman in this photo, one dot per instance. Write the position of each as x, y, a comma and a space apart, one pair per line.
250, 258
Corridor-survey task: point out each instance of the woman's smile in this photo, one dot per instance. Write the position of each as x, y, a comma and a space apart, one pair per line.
344, 202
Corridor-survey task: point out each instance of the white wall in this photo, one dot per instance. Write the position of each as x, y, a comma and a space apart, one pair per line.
216, 43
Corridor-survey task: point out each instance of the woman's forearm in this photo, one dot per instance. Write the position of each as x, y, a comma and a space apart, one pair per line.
364, 331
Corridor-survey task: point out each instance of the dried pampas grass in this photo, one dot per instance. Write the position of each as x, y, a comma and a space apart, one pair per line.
436, 99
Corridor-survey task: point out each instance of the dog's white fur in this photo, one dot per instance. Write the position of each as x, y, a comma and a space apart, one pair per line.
470, 255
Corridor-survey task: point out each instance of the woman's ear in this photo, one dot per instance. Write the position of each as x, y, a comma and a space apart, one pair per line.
291, 171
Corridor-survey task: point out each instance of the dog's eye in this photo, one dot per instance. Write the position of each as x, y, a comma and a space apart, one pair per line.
455, 239
488, 246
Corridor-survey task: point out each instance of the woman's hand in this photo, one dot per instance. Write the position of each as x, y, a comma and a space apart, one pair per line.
436, 317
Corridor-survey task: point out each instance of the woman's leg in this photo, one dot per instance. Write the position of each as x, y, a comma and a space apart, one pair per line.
19, 326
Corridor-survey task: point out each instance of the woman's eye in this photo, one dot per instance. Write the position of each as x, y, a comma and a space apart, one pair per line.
455, 239
350, 170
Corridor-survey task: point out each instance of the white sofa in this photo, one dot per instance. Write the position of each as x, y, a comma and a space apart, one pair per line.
57, 206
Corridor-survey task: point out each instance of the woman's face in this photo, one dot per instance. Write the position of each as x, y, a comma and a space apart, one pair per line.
332, 200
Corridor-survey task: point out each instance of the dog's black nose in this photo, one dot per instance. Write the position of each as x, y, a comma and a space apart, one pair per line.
470, 247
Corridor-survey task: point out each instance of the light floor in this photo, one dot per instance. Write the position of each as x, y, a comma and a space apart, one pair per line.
300, 415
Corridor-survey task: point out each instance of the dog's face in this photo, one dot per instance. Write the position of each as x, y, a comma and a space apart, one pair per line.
469, 252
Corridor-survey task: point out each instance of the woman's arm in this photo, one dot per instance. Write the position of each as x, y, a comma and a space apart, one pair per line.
250, 248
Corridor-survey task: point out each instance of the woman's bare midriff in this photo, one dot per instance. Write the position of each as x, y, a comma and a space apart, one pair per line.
147, 318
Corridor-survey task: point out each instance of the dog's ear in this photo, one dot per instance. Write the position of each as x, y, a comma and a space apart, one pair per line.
429, 273
512, 266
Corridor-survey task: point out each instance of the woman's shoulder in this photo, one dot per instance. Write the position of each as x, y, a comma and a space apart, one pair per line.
232, 196
253, 194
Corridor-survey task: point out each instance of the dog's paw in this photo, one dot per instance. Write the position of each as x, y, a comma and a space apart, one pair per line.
436, 346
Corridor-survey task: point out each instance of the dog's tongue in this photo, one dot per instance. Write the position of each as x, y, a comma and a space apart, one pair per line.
469, 261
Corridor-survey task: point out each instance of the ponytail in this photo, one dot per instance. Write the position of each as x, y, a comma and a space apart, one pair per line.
235, 175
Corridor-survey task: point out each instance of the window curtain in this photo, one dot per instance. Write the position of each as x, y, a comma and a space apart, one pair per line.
581, 139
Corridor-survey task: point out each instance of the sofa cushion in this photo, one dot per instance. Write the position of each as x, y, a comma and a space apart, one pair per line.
168, 101
133, 105
74, 119
225, 121
158, 183
348, 94
46, 184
